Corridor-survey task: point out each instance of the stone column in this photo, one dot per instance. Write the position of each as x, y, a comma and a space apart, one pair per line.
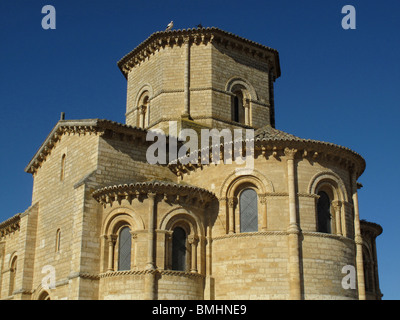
150, 276
293, 230
133, 249
151, 233
246, 105
168, 250
186, 112
111, 244
193, 241
263, 201
142, 113
337, 207
231, 206
358, 241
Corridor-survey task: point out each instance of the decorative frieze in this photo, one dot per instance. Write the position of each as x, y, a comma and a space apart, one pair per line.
10, 225
177, 193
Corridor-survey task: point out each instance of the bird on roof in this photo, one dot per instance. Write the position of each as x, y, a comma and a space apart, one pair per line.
199, 26
169, 26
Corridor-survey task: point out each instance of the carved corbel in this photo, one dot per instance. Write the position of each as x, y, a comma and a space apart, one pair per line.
290, 153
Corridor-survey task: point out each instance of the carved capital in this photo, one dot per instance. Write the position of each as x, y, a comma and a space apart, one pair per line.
111, 239
336, 205
263, 198
134, 235
193, 239
232, 202
142, 110
152, 195
358, 239
290, 153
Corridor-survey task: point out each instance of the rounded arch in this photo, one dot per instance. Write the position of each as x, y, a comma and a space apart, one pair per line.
119, 217
330, 183
13, 259
235, 179
140, 94
236, 82
44, 295
180, 217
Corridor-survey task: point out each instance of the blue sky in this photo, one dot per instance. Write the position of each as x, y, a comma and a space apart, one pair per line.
340, 86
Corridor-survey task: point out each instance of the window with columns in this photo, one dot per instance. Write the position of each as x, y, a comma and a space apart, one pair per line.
243, 209
118, 247
181, 247
241, 95
143, 110
240, 106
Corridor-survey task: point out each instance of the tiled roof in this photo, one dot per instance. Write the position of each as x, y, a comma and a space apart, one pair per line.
270, 133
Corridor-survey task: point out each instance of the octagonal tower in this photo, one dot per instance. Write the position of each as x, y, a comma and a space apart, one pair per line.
200, 77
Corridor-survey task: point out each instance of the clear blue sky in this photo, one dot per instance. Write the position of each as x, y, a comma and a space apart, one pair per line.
340, 86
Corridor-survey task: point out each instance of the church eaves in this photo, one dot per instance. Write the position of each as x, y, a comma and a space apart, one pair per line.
197, 35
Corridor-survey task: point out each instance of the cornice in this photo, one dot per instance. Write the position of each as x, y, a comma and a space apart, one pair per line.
10, 225
370, 229
159, 40
168, 191
101, 127
312, 150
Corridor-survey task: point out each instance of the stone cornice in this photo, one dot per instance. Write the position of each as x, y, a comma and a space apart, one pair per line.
10, 225
312, 150
168, 191
100, 127
159, 40
370, 229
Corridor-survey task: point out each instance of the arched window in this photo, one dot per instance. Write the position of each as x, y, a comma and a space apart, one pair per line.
58, 240
324, 213
248, 202
237, 109
13, 272
143, 109
124, 249
62, 172
44, 296
179, 239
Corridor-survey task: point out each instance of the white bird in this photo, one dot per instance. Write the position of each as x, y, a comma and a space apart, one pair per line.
169, 26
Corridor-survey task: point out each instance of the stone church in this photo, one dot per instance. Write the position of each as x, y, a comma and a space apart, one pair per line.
105, 223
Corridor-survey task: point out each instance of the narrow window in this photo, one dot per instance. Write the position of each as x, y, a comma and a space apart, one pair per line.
248, 202
235, 109
44, 296
324, 213
13, 272
143, 110
124, 249
58, 240
179, 249
62, 173
367, 273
